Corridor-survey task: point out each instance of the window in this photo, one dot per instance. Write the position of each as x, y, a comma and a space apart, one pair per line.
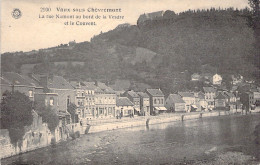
109, 110
155, 101
68, 100
51, 101
162, 101
30, 93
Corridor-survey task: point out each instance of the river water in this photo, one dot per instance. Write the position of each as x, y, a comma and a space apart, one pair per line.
198, 141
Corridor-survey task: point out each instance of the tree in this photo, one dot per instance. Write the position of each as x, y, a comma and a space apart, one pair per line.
48, 115
254, 4
16, 113
72, 110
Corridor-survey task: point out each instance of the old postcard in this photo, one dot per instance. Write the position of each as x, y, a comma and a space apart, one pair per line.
130, 82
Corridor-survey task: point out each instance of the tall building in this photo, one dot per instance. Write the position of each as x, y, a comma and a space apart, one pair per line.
156, 101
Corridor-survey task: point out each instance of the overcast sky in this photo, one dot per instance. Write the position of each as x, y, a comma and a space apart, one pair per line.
29, 32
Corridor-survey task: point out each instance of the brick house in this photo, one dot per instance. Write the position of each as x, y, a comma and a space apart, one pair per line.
156, 101
144, 103
135, 99
11, 81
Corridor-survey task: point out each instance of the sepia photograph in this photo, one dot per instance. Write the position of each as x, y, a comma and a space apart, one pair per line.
158, 82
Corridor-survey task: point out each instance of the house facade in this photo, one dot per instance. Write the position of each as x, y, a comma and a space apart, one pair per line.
144, 103
135, 99
57, 84
231, 100
195, 77
48, 99
105, 101
200, 101
11, 81
216, 79
156, 101
174, 103
189, 100
210, 94
220, 101
256, 97
124, 107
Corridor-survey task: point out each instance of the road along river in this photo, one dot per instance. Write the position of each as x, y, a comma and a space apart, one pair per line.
213, 140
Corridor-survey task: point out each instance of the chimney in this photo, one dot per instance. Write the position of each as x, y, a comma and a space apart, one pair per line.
44, 82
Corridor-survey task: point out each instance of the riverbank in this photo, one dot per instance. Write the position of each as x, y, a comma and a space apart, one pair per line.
97, 126
212, 140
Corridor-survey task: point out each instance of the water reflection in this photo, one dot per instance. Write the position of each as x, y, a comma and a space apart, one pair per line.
153, 144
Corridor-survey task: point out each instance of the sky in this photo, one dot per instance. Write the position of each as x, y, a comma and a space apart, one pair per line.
29, 32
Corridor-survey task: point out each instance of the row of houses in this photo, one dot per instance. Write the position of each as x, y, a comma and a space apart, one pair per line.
216, 79
97, 100
209, 99
93, 99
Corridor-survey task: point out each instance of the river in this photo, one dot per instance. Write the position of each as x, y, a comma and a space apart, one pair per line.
213, 140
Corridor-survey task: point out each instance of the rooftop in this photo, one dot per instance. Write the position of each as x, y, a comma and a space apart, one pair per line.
201, 95
123, 101
143, 95
209, 89
186, 94
176, 98
15, 79
59, 82
220, 96
155, 92
132, 94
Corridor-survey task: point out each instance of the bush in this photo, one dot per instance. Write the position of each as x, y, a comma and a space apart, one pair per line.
48, 115
16, 113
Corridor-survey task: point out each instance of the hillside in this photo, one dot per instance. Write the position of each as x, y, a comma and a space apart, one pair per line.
162, 52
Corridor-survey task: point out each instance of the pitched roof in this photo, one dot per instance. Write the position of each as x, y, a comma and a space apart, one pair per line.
89, 86
123, 101
16, 79
229, 94
150, 16
186, 94
220, 96
132, 94
201, 95
143, 95
32, 81
155, 92
3, 81
121, 85
102, 87
209, 89
176, 98
195, 75
59, 82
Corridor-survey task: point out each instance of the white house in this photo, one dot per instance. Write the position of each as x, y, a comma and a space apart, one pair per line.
189, 100
216, 79
124, 106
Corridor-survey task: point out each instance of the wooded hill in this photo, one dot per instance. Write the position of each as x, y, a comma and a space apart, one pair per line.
161, 52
